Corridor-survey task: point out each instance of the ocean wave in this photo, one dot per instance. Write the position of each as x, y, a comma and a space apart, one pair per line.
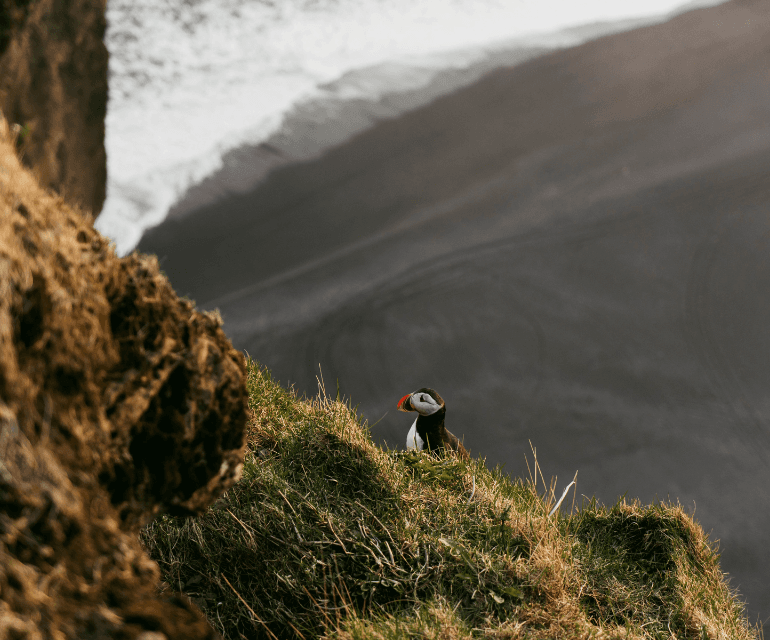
192, 82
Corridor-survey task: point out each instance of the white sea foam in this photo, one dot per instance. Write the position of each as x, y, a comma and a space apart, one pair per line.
192, 79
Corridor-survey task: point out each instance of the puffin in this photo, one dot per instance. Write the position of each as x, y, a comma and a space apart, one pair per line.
428, 431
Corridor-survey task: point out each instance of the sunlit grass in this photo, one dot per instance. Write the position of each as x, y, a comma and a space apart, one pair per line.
329, 534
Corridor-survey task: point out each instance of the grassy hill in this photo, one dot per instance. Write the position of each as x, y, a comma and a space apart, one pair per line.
329, 534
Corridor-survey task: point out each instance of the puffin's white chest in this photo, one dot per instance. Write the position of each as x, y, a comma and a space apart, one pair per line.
413, 439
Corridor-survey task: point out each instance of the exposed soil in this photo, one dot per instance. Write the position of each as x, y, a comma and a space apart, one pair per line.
118, 401
53, 85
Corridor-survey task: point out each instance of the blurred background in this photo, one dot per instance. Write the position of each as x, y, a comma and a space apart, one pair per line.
554, 213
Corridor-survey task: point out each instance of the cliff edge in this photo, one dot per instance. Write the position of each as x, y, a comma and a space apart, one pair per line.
118, 401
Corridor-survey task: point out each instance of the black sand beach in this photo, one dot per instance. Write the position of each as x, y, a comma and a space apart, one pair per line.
574, 251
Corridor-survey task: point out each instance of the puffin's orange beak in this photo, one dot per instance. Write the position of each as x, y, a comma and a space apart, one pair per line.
405, 403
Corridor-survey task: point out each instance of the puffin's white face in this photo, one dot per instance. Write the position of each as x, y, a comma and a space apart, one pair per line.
424, 404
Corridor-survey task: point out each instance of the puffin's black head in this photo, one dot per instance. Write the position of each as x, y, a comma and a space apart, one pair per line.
424, 401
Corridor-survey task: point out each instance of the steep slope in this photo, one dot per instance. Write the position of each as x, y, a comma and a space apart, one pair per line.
118, 401
329, 534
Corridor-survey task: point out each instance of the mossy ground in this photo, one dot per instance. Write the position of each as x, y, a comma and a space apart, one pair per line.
328, 534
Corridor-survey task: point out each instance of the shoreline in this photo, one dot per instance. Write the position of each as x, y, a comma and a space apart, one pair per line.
313, 127
331, 118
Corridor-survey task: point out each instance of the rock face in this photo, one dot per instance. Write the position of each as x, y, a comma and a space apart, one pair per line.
117, 401
53, 83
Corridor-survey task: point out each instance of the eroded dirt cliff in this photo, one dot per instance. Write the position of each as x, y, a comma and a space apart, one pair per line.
53, 85
117, 401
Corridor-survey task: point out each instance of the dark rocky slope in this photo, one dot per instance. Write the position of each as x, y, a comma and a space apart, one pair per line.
118, 401
53, 84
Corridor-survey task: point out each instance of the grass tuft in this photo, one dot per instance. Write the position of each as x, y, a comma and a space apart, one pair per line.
328, 534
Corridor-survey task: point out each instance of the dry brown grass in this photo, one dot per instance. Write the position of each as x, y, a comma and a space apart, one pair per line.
330, 535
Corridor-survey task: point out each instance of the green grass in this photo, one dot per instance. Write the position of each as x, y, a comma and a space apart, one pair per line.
328, 534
